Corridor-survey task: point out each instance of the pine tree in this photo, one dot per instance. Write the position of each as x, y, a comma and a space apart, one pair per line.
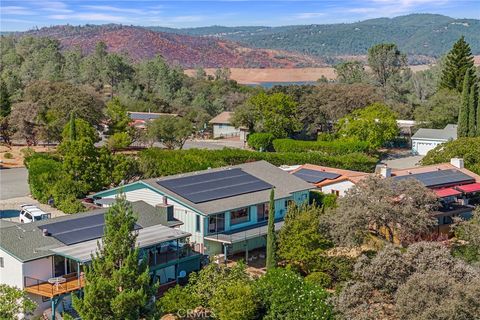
271, 238
472, 106
463, 113
458, 61
116, 284
477, 107
73, 128
5, 103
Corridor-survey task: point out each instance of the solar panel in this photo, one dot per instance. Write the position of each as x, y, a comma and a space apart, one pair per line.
215, 185
314, 176
78, 230
439, 178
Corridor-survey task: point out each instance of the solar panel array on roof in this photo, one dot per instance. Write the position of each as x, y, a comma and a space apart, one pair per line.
215, 185
78, 230
143, 116
439, 178
315, 176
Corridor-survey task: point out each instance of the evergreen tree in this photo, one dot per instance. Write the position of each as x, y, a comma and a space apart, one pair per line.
5, 103
116, 284
472, 106
271, 239
478, 113
73, 128
457, 62
463, 114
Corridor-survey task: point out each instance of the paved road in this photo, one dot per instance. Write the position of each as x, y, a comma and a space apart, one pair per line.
13, 183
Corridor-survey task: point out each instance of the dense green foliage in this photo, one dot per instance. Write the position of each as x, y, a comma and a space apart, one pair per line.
171, 131
376, 125
13, 302
417, 34
386, 61
260, 141
156, 162
335, 147
117, 285
271, 260
469, 232
466, 148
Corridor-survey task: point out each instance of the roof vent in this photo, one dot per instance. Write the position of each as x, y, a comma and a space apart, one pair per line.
45, 232
409, 172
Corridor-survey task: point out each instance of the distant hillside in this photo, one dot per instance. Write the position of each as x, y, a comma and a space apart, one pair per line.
415, 34
188, 51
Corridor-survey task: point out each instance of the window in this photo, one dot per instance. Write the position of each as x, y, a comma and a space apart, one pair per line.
1, 262
197, 223
216, 223
336, 192
239, 216
262, 211
288, 203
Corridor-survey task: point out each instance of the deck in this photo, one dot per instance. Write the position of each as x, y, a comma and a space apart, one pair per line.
45, 289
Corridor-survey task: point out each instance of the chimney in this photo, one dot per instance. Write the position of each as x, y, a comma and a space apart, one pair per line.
386, 172
457, 162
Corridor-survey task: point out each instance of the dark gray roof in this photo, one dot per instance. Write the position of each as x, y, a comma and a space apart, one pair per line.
445, 134
285, 184
26, 241
147, 115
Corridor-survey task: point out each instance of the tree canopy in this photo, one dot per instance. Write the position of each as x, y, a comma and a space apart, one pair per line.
458, 62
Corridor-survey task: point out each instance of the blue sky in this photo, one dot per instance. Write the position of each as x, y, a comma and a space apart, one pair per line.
22, 15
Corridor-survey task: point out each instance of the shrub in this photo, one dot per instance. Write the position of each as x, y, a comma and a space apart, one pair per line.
260, 141
336, 147
119, 140
27, 152
8, 155
320, 279
155, 162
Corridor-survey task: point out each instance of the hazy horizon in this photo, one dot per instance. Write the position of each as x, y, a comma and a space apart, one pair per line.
26, 15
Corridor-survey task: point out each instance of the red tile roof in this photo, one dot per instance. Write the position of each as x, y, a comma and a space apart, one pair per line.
473, 187
447, 192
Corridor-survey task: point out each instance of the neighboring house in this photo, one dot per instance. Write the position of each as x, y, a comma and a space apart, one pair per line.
425, 140
46, 258
225, 209
457, 188
329, 180
223, 128
140, 119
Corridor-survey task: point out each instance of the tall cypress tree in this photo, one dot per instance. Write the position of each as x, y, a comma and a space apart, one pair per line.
271, 237
472, 106
463, 113
116, 284
5, 103
458, 61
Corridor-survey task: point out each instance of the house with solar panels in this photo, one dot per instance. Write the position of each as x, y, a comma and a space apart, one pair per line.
329, 180
457, 188
224, 209
140, 119
46, 258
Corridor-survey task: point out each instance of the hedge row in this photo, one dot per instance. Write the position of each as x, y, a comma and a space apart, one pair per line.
155, 162
331, 147
260, 141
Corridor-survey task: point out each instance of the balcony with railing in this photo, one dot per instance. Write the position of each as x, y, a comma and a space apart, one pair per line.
55, 286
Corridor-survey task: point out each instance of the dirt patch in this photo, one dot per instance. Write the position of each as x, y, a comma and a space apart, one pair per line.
12, 157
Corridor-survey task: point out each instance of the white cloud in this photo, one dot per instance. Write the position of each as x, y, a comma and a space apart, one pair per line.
54, 6
114, 9
89, 17
309, 15
16, 10
192, 18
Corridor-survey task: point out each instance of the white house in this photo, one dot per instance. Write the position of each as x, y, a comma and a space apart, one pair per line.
46, 258
224, 209
425, 140
222, 127
327, 179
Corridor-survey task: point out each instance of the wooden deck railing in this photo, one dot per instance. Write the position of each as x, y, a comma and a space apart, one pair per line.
44, 288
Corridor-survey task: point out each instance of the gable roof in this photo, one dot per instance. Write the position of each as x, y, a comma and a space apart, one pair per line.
349, 175
26, 241
285, 184
222, 118
445, 134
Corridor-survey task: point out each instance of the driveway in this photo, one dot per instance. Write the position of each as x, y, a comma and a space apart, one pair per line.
405, 162
13, 183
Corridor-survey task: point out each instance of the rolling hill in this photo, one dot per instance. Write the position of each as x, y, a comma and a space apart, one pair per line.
188, 51
416, 34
